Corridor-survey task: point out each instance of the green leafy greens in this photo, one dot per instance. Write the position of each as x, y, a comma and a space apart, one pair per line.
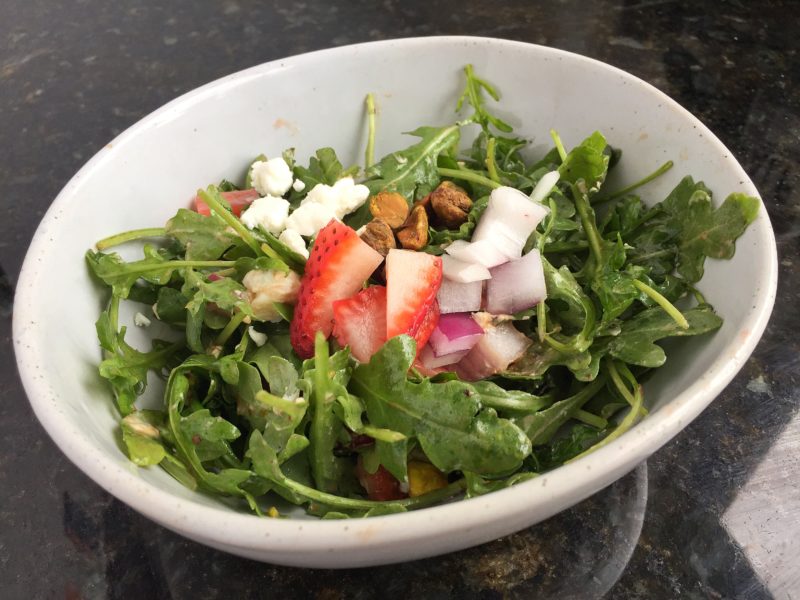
242, 416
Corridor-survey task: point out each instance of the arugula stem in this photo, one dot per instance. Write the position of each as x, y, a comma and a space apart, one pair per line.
559, 247
637, 401
295, 409
562, 153
176, 264
490, 160
589, 225
225, 272
698, 295
628, 189
591, 419
668, 307
232, 325
551, 219
626, 374
210, 198
369, 155
467, 175
541, 322
554, 343
619, 383
113, 312
357, 504
129, 236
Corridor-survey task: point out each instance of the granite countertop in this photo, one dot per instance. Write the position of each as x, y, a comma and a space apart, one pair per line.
715, 514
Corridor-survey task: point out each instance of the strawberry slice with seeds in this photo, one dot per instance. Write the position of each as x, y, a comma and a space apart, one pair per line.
412, 281
337, 268
360, 322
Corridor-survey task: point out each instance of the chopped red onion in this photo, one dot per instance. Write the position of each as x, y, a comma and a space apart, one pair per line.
429, 360
508, 221
457, 297
483, 253
516, 285
464, 272
544, 186
454, 333
497, 348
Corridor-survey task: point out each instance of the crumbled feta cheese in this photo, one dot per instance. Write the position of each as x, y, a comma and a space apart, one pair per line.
343, 197
140, 320
294, 241
308, 218
269, 212
298, 185
266, 287
271, 177
258, 338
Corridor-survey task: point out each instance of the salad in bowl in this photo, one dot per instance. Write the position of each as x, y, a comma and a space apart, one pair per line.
448, 320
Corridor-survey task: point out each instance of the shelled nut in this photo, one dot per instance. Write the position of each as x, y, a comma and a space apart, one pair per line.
450, 204
414, 233
389, 207
378, 235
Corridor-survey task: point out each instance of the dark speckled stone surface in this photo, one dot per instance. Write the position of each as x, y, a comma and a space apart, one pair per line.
715, 514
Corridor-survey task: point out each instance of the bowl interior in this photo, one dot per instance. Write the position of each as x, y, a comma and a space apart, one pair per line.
141, 178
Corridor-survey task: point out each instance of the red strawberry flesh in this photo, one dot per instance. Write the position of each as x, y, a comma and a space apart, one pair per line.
412, 282
360, 322
339, 264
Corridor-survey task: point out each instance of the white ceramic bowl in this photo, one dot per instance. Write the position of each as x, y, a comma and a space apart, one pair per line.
313, 100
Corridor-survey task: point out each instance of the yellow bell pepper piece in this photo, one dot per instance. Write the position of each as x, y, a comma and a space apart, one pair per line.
423, 478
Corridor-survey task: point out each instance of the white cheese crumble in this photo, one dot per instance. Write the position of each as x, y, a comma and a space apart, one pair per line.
140, 320
264, 288
294, 241
269, 212
258, 338
343, 197
308, 218
298, 185
271, 177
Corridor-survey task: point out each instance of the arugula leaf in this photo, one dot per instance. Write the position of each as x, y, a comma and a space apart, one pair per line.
142, 438
453, 428
125, 367
226, 293
324, 378
413, 172
202, 237
540, 357
145, 436
323, 168
478, 486
563, 449
706, 231
119, 275
498, 398
210, 435
636, 342
543, 425
170, 306
588, 162
473, 94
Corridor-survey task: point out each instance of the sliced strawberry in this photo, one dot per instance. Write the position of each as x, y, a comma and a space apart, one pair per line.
380, 485
412, 281
337, 268
360, 322
429, 323
238, 199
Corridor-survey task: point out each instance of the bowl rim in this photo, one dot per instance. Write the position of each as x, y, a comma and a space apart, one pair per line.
294, 538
